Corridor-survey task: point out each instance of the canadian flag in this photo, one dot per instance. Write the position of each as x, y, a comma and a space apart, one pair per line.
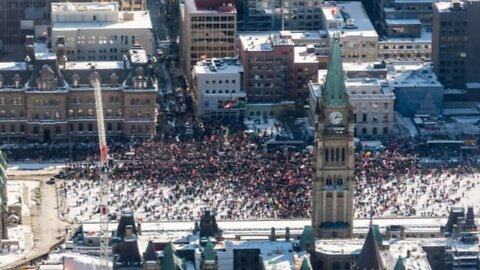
229, 105
334, 11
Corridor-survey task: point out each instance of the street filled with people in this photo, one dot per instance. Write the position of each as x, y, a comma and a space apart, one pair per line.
235, 175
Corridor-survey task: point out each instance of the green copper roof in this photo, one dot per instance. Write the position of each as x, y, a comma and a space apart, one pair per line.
399, 265
170, 261
378, 235
307, 236
335, 91
209, 253
306, 264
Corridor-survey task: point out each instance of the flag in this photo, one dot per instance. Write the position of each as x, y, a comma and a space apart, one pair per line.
203, 57
229, 105
333, 11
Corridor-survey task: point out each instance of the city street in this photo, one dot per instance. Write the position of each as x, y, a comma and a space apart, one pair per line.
48, 229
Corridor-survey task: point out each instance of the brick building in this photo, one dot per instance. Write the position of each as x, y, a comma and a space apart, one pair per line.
48, 98
276, 69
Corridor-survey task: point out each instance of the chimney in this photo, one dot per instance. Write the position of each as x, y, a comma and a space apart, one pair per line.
128, 231
124, 60
139, 228
287, 234
273, 236
30, 48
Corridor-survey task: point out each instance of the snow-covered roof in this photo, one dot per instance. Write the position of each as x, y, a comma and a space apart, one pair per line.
13, 66
301, 55
218, 66
345, 13
140, 20
97, 64
264, 41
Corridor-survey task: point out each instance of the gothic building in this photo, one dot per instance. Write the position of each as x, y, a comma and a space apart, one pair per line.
47, 97
332, 212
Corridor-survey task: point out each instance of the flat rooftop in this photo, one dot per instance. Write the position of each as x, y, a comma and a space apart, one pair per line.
303, 56
84, 6
13, 66
446, 6
141, 20
342, 12
421, 77
80, 65
262, 42
192, 8
219, 66
425, 37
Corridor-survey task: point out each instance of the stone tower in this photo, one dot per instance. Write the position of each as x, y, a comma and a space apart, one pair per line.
332, 194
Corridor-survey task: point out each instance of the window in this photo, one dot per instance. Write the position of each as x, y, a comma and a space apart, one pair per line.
12, 128
339, 182
80, 127
364, 131
58, 130
329, 182
35, 130
364, 117
90, 127
326, 155
22, 128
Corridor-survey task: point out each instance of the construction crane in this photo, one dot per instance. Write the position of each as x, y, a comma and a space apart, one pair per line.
104, 170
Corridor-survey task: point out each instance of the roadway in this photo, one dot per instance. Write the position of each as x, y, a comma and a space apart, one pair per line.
47, 227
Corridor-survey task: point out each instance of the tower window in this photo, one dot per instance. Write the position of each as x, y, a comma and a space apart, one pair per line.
343, 154
337, 156
339, 182
329, 181
326, 154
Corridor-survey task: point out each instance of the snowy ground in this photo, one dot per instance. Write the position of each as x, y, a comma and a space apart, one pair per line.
430, 196
21, 233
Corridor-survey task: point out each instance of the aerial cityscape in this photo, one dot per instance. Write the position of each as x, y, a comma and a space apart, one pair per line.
239, 134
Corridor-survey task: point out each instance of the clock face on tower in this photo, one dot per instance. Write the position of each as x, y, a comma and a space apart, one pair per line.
335, 118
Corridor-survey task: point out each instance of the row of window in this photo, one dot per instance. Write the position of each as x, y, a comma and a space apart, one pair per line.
373, 119
13, 101
220, 91
220, 81
12, 114
375, 131
334, 155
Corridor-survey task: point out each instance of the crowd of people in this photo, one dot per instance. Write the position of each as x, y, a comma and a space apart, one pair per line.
392, 183
175, 180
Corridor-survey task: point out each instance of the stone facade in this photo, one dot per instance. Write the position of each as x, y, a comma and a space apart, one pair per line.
48, 98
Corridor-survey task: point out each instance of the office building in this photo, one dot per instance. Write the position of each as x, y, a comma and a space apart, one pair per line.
208, 30
349, 22
456, 42
99, 31
218, 89
276, 69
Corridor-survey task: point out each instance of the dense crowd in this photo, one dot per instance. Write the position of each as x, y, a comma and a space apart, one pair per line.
174, 180
392, 183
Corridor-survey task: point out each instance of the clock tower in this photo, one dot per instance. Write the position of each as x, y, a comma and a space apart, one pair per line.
332, 193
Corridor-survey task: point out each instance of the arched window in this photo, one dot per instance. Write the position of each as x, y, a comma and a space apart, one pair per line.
329, 182
326, 154
337, 156
343, 154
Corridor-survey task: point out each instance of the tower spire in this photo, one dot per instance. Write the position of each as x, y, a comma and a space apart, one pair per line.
335, 92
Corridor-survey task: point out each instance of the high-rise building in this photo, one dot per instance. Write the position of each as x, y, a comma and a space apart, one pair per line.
208, 30
268, 15
18, 17
332, 194
456, 42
